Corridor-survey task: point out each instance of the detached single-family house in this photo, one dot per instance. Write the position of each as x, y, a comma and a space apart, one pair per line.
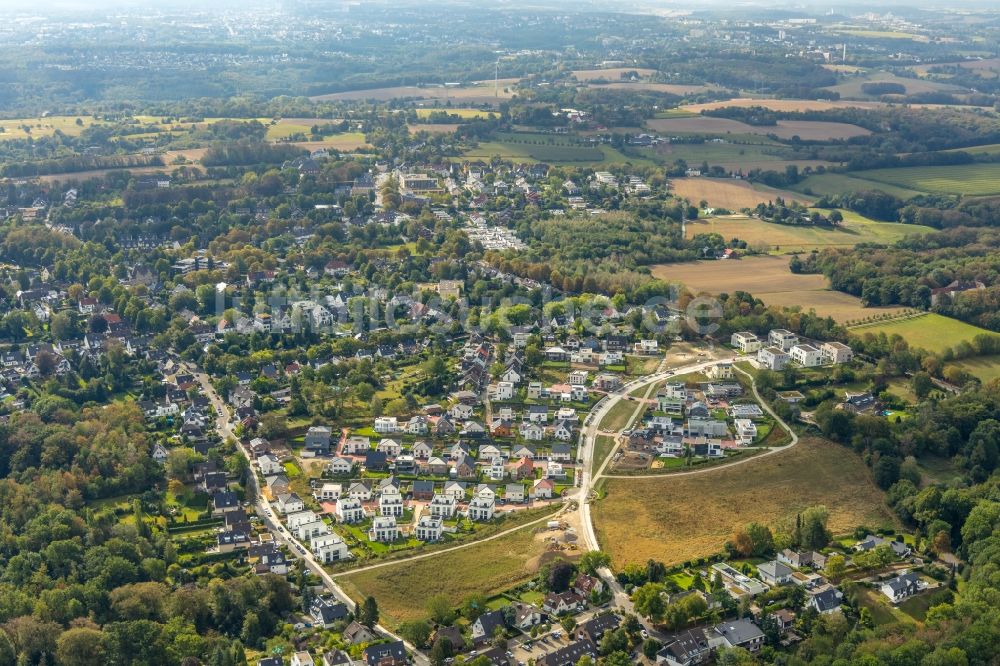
901, 587
826, 601
317, 440
782, 339
774, 573
737, 633
443, 506
772, 358
806, 355
429, 528
836, 352
383, 529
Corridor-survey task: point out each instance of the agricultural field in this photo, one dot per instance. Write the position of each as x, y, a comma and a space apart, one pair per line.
39, 127
809, 130
486, 568
833, 184
465, 114
611, 74
677, 518
970, 179
432, 128
987, 68
732, 156
791, 105
768, 278
852, 87
789, 238
668, 88
731, 194
481, 92
528, 147
929, 331
342, 141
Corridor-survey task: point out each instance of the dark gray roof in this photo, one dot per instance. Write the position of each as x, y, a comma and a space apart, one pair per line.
739, 632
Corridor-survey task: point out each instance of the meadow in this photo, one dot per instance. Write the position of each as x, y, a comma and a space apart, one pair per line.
929, 331
971, 179
22, 128
486, 568
531, 147
985, 368
678, 518
812, 130
833, 184
792, 105
852, 87
679, 89
790, 238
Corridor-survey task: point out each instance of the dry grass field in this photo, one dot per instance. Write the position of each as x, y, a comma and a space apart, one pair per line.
768, 278
674, 519
612, 74
731, 194
487, 568
812, 130
479, 92
344, 141
852, 87
792, 105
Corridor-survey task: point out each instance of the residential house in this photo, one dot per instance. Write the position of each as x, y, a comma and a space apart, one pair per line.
806, 355
482, 507
569, 655
772, 358
836, 352
562, 603
532, 432
774, 573
746, 431
782, 339
289, 503
339, 466
745, 341
737, 633
349, 510
386, 654
585, 585
422, 490
486, 626
302, 659
356, 445
383, 529
514, 492
422, 450
390, 502
325, 613
360, 491
429, 528
386, 425
543, 489
595, 628
317, 440
390, 447
901, 587
269, 464
443, 506
357, 633
721, 370
859, 403
686, 648
826, 601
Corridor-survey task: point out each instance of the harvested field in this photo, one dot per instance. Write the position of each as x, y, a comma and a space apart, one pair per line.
769, 279
673, 519
791, 105
731, 194
812, 130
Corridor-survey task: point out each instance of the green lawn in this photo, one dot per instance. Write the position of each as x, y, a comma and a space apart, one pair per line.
530, 147
832, 184
972, 179
932, 332
986, 368
602, 447
465, 114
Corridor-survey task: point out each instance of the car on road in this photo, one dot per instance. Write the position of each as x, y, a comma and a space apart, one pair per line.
644, 633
